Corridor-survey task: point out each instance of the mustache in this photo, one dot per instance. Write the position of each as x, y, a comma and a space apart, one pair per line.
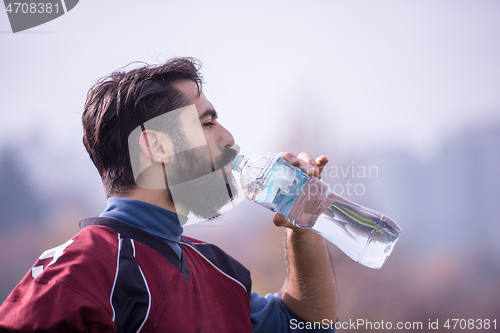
227, 157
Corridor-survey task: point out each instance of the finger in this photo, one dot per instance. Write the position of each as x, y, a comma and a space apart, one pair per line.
290, 157
308, 164
321, 162
281, 221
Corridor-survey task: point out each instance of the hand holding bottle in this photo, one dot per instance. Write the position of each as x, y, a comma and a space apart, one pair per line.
305, 162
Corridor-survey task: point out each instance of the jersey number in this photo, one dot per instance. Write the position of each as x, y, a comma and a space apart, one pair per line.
53, 253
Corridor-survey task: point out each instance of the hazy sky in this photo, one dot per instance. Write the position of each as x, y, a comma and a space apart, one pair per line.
366, 74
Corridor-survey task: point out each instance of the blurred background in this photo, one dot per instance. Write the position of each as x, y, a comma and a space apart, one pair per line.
409, 90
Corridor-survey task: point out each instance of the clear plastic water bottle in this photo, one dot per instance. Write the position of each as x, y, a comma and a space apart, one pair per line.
366, 236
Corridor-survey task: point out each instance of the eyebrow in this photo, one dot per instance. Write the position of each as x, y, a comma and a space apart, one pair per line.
209, 112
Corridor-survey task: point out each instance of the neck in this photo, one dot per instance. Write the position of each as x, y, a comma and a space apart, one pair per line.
158, 198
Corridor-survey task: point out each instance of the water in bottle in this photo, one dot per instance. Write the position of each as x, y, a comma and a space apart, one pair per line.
365, 235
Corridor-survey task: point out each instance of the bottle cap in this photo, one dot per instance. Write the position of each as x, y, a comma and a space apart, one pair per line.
238, 163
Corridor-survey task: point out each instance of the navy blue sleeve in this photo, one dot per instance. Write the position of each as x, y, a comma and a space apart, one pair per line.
269, 314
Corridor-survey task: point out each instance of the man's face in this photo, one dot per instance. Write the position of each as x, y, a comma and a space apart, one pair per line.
197, 175
216, 136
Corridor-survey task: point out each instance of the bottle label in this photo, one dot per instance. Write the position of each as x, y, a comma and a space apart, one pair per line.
282, 185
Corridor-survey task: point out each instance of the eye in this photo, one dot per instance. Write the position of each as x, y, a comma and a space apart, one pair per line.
209, 124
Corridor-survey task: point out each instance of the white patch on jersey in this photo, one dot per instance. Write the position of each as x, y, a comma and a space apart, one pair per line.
36, 270
53, 253
56, 252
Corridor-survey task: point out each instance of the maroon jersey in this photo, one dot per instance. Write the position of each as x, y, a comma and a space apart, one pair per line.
112, 277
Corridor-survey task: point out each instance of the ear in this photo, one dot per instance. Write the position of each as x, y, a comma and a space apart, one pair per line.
155, 145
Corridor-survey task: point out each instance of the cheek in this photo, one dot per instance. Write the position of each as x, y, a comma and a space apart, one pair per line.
197, 137
209, 136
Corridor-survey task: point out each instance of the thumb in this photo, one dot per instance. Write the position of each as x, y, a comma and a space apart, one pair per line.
281, 221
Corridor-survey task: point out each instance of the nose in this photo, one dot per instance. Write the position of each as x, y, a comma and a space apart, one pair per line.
226, 139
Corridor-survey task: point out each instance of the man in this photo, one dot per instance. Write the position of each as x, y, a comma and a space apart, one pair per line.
161, 153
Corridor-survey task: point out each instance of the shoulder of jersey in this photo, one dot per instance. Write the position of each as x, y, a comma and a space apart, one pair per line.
92, 252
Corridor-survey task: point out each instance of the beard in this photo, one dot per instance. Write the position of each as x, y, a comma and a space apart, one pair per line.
199, 183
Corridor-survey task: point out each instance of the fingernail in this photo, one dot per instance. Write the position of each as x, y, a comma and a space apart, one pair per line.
293, 159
